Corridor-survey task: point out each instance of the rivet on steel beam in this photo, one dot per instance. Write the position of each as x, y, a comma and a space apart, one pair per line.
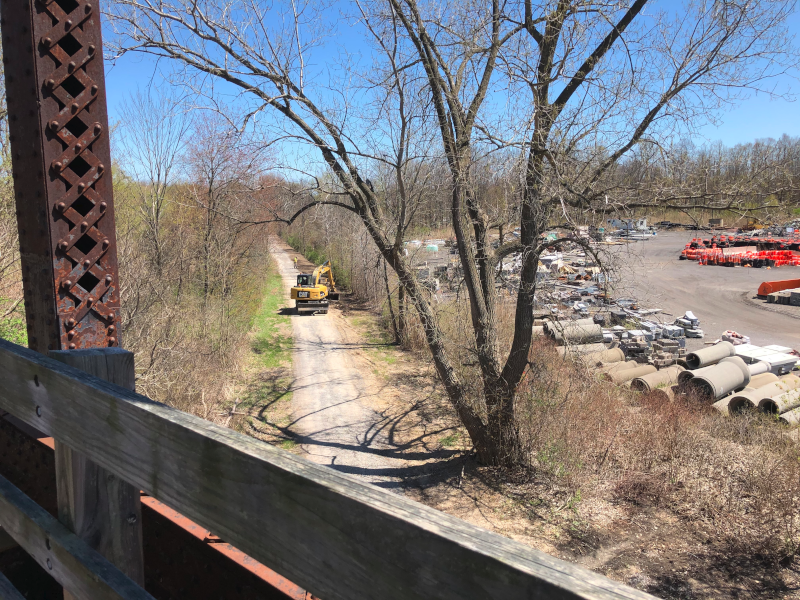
84, 225
86, 264
112, 341
78, 147
61, 207
71, 347
53, 124
88, 8
94, 90
100, 168
81, 187
97, 128
70, 335
50, 83
67, 283
71, 66
68, 23
74, 107
106, 244
109, 279
63, 245
103, 207
111, 329
47, 41
57, 166
70, 322
90, 300
112, 315
91, 49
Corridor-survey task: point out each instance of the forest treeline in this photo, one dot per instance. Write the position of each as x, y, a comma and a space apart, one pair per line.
191, 278
759, 180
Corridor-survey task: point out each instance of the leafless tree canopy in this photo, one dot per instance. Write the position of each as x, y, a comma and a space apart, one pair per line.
571, 101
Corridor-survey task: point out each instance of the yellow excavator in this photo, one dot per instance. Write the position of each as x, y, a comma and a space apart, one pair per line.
314, 290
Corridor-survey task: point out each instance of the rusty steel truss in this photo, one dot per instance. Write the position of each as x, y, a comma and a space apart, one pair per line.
61, 160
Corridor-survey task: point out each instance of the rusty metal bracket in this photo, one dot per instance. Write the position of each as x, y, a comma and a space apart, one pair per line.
52, 51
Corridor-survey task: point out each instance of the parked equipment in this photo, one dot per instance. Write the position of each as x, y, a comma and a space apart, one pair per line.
314, 290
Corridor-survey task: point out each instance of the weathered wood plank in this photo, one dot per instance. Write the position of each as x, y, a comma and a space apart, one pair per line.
79, 569
326, 531
8, 591
99, 507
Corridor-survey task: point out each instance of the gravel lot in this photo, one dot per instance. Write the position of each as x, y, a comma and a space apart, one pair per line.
722, 298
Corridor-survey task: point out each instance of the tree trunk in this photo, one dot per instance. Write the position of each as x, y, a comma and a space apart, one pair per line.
504, 449
395, 328
402, 323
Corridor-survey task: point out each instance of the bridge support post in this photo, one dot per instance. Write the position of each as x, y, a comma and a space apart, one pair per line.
100, 508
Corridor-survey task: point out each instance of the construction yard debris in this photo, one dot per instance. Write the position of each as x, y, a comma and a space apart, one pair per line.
642, 346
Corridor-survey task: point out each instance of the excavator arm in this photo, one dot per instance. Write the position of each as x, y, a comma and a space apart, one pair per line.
323, 275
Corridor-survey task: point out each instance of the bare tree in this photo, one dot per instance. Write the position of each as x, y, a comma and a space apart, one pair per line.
155, 131
10, 277
566, 89
224, 169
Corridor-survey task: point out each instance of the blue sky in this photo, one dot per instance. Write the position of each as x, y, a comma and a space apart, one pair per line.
756, 117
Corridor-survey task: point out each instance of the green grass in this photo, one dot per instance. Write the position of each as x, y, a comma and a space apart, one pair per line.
270, 380
450, 440
288, 444
12, 327
272, 347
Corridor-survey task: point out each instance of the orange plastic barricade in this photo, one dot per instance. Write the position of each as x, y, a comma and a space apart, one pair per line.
770, 287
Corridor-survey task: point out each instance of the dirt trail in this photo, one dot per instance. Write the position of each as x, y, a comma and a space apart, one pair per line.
338, 409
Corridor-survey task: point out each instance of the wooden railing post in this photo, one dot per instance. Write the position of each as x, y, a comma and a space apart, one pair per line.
100, 508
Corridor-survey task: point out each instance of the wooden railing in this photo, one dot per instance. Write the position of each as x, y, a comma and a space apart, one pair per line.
327, 531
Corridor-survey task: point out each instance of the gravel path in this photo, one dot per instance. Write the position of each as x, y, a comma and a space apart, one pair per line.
335, 396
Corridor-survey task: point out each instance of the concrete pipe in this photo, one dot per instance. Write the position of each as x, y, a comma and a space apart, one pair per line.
781, 403
582, 331
686, 375
729, 375
618, 366
710, 356
580, 349
751, 399
594, 359
791, 417
665, 394
759, 368
757, 381
663, 378
624, 375
724, 404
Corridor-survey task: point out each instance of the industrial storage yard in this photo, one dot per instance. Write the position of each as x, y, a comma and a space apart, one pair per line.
722, 298
656, 310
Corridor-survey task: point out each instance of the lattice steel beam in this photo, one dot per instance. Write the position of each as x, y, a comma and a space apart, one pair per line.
55, 83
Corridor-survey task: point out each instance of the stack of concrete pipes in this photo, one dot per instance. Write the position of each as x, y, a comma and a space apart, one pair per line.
779, 397
714, 374
569, 333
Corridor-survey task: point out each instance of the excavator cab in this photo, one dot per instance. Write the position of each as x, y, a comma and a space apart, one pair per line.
314, 290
